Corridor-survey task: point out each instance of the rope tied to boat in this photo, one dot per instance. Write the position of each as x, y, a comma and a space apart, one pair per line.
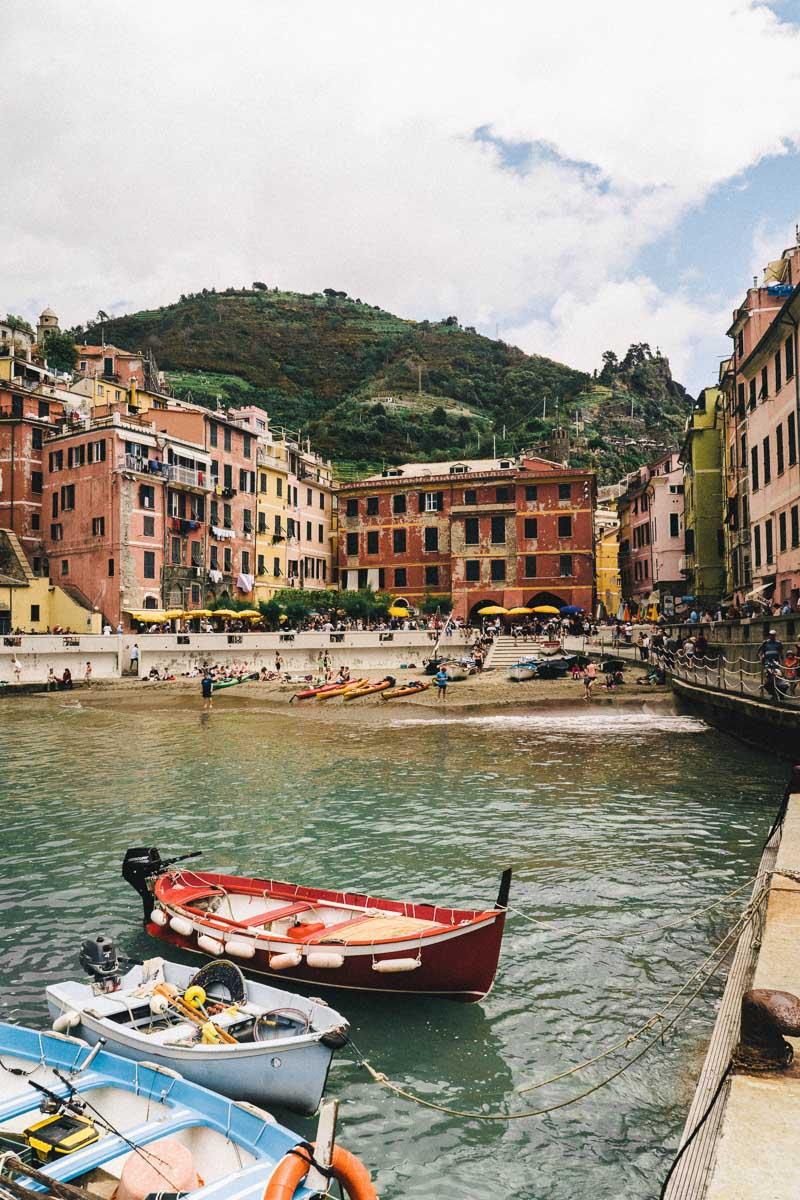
712, 961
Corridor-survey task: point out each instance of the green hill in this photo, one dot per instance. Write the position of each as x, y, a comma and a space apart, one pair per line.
372, 388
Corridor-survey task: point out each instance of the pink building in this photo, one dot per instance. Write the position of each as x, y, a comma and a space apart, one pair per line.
310, 550
767, 408
113, 364
651, 536
113, 498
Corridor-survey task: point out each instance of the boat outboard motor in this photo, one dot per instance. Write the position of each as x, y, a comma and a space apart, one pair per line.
140, 864
140, 867
98, 958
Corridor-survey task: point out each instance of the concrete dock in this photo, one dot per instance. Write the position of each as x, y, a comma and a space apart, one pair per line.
747, 1147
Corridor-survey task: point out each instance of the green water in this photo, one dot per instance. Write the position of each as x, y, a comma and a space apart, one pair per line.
614, 822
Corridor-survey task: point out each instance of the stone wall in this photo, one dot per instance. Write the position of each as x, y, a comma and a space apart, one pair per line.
179, 653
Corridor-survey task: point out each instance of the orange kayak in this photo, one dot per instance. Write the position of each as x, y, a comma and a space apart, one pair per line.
370, 690
342, 690
408, 689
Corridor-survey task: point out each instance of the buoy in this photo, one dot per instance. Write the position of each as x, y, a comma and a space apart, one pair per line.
281, 962
181, 925
158, 916
387, 966
325, 961
345, 1168
209, 944
195, 996
167, 1159
68, 1020
159, 1004
240, 948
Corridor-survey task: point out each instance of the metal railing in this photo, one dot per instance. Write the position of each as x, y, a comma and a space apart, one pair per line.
738, 676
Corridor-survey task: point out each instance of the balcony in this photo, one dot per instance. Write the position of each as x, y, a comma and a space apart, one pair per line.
200, 481
147, 466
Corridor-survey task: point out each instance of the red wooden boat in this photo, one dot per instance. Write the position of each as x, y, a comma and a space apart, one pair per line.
321, 937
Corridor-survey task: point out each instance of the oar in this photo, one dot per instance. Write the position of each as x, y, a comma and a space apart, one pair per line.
192, 1014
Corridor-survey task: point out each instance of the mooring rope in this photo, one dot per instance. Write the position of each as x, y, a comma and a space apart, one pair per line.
713, 960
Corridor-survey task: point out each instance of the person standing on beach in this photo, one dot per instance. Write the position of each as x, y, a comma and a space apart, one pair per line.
207, 689
589, 677
87, 674
440, 679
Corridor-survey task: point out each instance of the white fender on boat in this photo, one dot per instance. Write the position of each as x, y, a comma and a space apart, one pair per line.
67, 1020
240, 948
159, 917
320, 959
388, 966
181, 925
209, 944
282, 962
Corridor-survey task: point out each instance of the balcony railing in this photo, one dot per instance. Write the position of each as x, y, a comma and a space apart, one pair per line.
189, 477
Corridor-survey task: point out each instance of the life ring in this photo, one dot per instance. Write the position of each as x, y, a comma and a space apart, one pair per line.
345, 1168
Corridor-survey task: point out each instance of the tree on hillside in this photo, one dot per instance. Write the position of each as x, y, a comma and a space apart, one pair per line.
258, 286
59, 350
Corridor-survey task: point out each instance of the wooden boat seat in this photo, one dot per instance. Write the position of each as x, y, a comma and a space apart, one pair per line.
377, 929
267, 918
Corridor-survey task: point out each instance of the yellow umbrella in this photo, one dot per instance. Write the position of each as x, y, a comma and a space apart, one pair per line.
519, 612
197, 612
492, 610
397, 610
224, 612
172, 614
248, 612
283, 617
546, 608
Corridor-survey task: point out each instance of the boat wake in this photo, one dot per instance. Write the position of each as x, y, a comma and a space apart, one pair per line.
581, 722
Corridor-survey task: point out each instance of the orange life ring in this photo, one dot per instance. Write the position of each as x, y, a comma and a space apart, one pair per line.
345, 1168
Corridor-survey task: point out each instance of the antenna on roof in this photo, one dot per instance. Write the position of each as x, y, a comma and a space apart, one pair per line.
797, 234
755, 281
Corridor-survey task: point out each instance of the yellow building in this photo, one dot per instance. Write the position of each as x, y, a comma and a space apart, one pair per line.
32, 604
608, 585
272, 461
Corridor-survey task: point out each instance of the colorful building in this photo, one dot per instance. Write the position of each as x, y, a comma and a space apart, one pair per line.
651, 536
701, 456
30, 603
513, 532
272, 459
26, 421
765, 400
608, 586
309, 557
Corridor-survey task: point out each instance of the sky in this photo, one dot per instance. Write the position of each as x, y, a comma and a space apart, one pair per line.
576, 177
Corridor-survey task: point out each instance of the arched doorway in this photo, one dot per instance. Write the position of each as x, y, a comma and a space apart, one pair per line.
546, 598
474, 618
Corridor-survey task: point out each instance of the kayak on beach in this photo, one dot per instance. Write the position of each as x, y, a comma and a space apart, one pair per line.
226, 683
408, 689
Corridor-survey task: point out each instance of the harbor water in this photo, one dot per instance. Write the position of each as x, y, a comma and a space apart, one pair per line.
616, 823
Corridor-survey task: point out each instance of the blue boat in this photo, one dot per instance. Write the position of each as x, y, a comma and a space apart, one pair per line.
110, 1126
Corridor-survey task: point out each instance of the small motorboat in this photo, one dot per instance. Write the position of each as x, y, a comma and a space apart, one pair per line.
107, 1126
456, 670
412, 688
319, 936
370, 689
546, 646
218, 685
248, 1041
526, 668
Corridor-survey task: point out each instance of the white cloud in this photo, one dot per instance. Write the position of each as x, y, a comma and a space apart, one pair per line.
578, 329
152, 149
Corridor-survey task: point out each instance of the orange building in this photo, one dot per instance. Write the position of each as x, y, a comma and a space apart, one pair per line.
514, 532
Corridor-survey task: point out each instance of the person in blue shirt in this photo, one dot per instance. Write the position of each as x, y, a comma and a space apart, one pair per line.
207, 689
440, 679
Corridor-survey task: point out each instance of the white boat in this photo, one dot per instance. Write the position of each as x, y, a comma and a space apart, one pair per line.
522, 670
249, 1041
456, 670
